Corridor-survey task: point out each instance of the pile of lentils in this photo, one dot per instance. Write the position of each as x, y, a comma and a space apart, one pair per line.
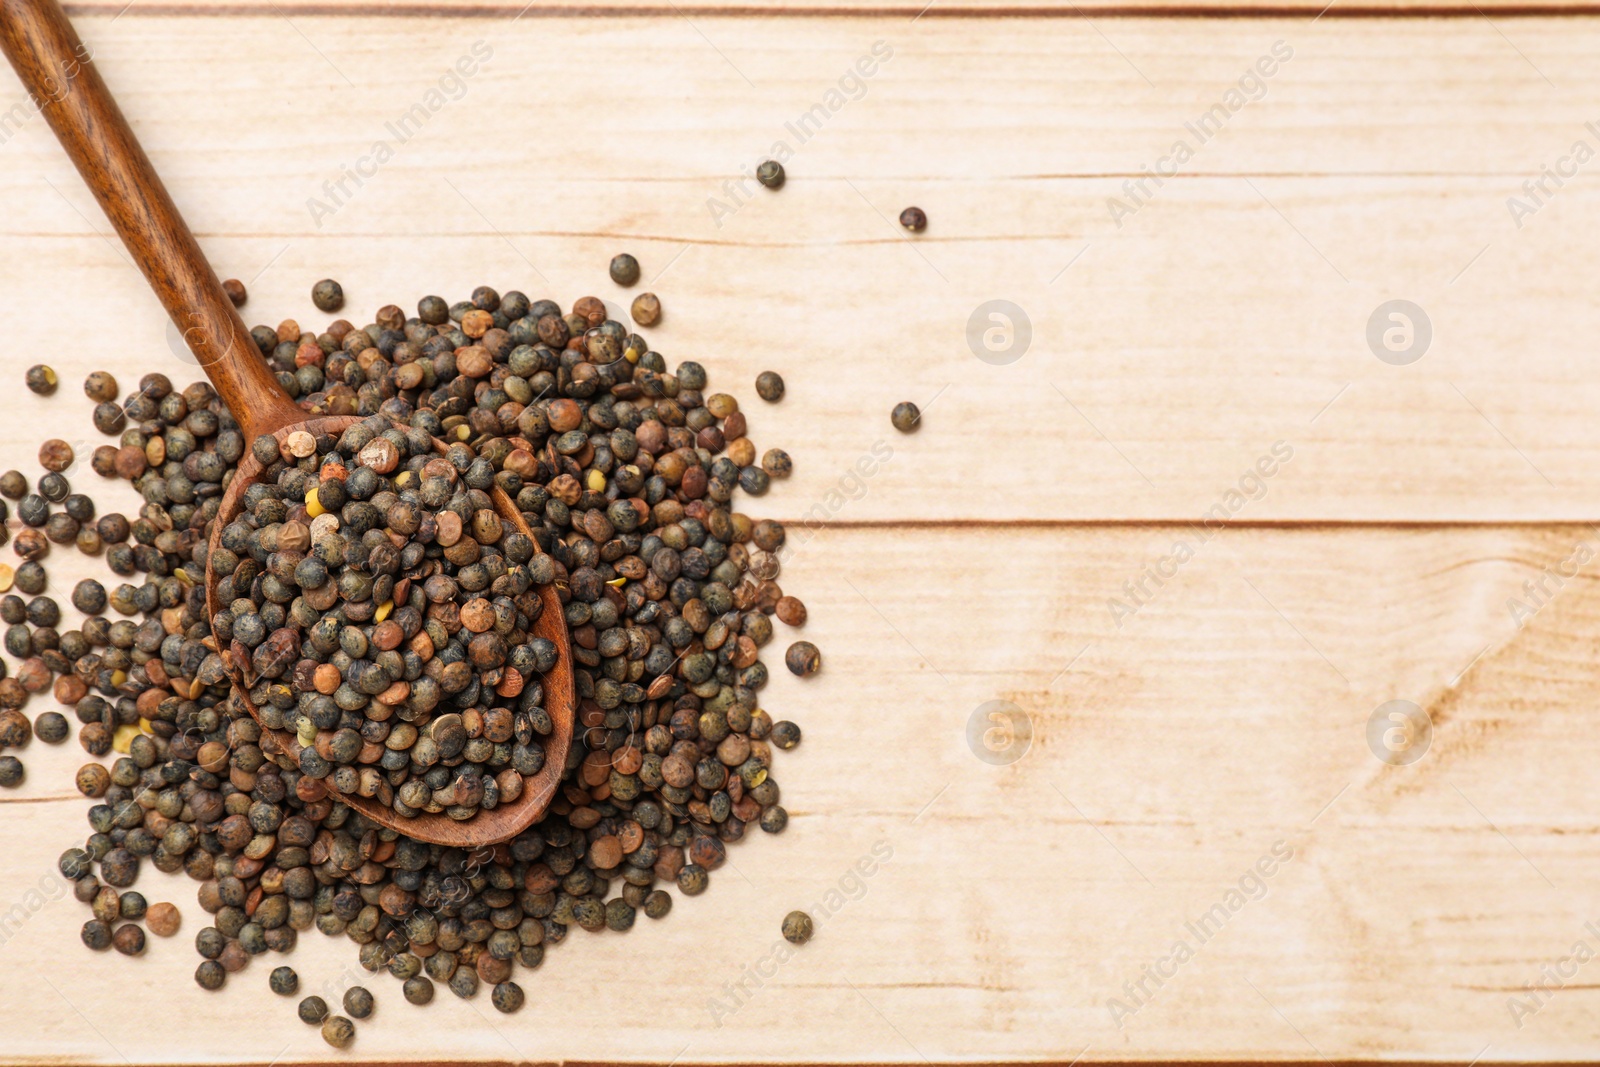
624, 471
380, 609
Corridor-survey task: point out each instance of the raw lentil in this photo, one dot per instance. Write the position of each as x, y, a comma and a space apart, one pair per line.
624, 270
626, 472
328, 295
770, 173
507, 997
51, 727
357, 1002
11, 772
55, 455
339, 1031
906, 416
769, 386
914, 219
797, 928
802, 659
128, 940
163, 919
41, 379
100, 387
283, 981
646, 309
313, 1010
237, 294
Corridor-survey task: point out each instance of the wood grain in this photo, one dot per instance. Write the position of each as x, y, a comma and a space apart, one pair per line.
58, 75
1214, 322
979, 560
897, 9
1167, 757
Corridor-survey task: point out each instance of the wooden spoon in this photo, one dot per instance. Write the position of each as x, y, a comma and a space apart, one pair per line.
56, 70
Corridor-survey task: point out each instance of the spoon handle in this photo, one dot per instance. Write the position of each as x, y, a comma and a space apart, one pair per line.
57, 71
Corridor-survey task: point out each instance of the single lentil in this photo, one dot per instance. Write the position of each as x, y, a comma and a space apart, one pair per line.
769, 386
283, 981
328, 295
906, 416
797, 928
624, 270
803, 659
358, 1002
914, 219
41, 379
771, 174
338, 1031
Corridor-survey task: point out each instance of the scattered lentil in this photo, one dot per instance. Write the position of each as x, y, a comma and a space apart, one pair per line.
163, 919
769, 386
624, 270
100, 387
906, 416
358, 1002
313, 1010
507, 997
41, 379
284, 981
646, 310
328, 295
128, 940
803, 659
797, 928
236, 291
914, 219
11, 772
338, 1031
51, 727
771, 174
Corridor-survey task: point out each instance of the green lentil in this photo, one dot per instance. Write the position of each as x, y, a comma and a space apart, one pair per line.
624, 270
284, 981
771, 174
797, 928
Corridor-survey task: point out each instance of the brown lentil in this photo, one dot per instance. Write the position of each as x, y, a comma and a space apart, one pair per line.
914, 219
624, 270
41, 379
646, 309
100, 387
797, 928
328, 295
803, 659
55, 455
906, 416
237, 294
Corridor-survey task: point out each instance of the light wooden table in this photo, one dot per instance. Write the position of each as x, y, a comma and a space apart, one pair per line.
1022, 906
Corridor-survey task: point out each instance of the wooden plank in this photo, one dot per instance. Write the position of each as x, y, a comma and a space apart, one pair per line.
1340, 9
1170, 349
1167, 757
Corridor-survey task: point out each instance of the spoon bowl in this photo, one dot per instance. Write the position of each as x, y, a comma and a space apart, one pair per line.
56, 69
